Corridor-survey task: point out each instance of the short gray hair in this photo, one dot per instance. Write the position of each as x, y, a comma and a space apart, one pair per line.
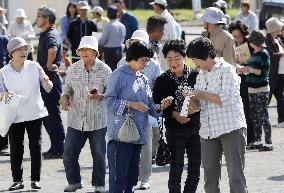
48, 12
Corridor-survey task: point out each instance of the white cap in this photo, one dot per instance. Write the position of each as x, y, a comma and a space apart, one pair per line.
273, 25
161, 2
221, 3
20, 13
83, 5
98, 9
213, 15
140, 35
88, 42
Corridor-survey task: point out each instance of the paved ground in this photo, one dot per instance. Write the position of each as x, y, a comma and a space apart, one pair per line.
264, 170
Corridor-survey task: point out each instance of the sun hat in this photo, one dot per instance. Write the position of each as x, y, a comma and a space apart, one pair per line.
140, 35
2, 9
83, 5
257, 38
213, 15
98, 9
16, 43
221, 3
161, 2
88, 42
20, 13
273, 25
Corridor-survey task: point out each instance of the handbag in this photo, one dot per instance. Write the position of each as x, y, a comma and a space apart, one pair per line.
163, 156
8, 112
128, 132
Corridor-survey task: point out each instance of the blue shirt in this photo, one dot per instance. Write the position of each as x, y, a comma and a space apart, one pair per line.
151, 71
113, 35
125, 85
130, 23
64, 26
49, 39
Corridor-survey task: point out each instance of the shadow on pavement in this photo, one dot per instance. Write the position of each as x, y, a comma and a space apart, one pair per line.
276, 178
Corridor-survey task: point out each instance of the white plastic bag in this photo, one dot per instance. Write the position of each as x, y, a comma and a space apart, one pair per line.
128, 131
7, 117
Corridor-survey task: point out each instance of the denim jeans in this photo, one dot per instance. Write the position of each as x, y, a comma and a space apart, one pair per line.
75, 141
16, 138
53, 122
123, 161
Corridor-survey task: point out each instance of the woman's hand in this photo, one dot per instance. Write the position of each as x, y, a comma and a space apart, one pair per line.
180, 119
166, 102
139, 106
65, 103
5, 95
46, 84
198, 94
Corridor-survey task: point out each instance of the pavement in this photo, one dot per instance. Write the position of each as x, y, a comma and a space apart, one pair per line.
264, 170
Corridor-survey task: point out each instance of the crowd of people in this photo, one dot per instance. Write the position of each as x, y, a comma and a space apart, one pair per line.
124, 80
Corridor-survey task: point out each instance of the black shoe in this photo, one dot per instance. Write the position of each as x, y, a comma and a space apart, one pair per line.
266, 148
53, 156
16, 186
4, 150
46, 153
35, 185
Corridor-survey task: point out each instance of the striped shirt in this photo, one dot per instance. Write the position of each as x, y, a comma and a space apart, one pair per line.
215, 119
86, 114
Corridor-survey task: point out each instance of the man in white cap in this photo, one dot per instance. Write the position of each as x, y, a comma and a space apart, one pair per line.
99, 20
160, 7
79, 28
222, 40
275, 48
151, 71
21, 27
84, 87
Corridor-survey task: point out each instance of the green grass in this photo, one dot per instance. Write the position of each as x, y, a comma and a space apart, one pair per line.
181, 15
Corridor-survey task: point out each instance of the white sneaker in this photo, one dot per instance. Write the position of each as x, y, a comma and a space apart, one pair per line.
280, 125
100, 189
145, 185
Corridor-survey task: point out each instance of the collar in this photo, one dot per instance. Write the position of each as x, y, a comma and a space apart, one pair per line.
25, 66
216, 31
127, 70
95, 67
164, 13
217, 64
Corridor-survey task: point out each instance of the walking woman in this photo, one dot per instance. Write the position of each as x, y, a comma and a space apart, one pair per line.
24, 77
129, 90
181, 132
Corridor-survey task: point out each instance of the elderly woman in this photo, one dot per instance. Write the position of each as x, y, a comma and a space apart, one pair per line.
85, 85
129, 90
30, 110
152, 70
239, 32
181, 132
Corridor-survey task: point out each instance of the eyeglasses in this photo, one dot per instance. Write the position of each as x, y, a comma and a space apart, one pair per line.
144, 59
176, 59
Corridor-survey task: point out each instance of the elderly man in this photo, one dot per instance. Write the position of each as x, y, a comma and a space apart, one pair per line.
217, 94
49, 56
21, 27
222, 40
79, 28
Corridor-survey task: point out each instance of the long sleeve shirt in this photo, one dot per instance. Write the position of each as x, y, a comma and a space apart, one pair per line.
113, 35
151, 71
86, 114
27, 84
125, 86
24, 30
250, 20
215, 119
170, 26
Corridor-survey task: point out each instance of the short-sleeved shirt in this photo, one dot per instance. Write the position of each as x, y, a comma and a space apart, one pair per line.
49, 39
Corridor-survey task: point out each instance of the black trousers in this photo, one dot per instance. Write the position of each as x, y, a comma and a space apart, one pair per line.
3, 142
112, 56
278, 91
179, 142
245, 98
16, 139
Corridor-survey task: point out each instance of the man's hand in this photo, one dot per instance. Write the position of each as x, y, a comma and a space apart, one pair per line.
65, 103
198, 94
52, 67
97, 96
